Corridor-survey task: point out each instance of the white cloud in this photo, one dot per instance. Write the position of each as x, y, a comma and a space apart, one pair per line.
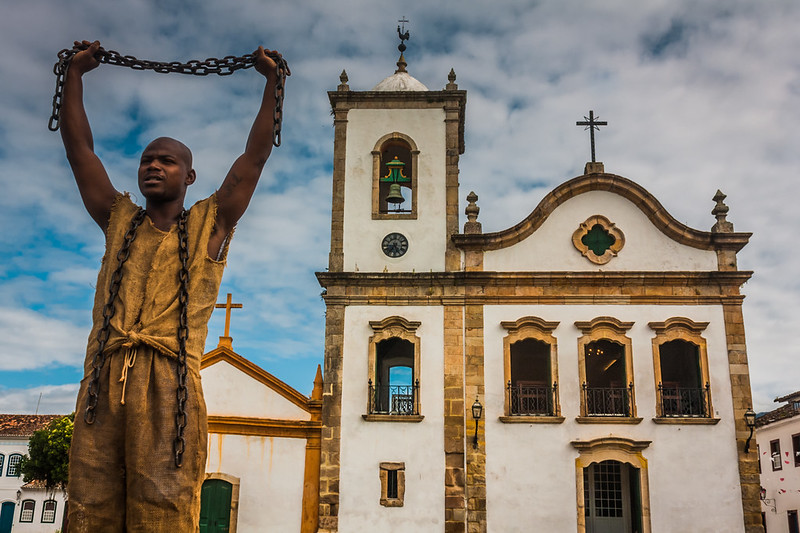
716, 109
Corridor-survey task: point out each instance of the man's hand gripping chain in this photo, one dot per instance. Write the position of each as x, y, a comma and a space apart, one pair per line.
222, 67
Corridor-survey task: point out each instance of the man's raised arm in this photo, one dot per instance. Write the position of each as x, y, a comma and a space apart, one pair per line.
96, 189
239, 185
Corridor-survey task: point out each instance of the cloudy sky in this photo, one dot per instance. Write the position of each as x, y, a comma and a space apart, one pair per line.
698, 96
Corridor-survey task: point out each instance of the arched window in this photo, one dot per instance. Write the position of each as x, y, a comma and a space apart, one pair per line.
49, 511
26, 510
681, 370
531, 370
13, 465
606, 370
393, 382
394, 183
394, 378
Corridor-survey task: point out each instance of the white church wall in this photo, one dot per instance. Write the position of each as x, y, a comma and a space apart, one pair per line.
530, 468
366, 444
782, 486
231, 392
646, 247
427, 234
270, 470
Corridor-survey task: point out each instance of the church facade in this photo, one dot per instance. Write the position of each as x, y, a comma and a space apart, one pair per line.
584, 370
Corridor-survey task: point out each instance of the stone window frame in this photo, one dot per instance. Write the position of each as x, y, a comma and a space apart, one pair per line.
24, 510
400, 469
376, 176
685, 329
614, 330
399, 327
531, 327
620, 449
51, 518
607, 225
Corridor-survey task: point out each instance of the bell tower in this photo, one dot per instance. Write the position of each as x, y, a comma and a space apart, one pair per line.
395, 174
395, 209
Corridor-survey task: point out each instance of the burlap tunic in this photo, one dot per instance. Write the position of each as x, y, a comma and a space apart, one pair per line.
122, 471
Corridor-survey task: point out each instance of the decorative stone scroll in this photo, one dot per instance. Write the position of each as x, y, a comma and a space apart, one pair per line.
598, 239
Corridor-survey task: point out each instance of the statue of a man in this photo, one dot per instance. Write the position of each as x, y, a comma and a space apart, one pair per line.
139, 446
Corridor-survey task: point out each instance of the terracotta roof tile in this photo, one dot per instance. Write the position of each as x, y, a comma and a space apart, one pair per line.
781, 413
23, 425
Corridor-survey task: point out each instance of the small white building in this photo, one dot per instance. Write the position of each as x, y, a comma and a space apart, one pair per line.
262, 472
778, 438
27, 508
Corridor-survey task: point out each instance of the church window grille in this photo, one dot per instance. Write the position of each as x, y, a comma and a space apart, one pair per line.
393, 385
606, 369
393, 484
49, 511
394, 164
680, 364
530, 369
13, 465
2, 461
26, 511
775, 454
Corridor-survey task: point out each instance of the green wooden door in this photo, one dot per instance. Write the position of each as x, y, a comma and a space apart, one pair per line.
215, 506
6, 517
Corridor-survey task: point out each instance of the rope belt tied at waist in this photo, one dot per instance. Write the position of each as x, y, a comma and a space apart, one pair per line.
130, 345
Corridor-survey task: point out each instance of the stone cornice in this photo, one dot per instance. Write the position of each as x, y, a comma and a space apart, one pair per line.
264, 427
580, 278
638, 195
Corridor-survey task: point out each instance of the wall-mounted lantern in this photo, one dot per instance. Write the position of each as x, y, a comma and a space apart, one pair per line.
477, 411
750, 420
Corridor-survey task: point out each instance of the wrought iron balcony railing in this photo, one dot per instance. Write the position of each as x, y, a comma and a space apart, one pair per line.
536, 400
684, 401
608, 401
402, 400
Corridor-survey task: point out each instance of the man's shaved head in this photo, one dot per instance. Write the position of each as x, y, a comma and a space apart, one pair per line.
179, 149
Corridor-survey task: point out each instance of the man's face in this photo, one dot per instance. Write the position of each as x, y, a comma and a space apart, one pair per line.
165, 170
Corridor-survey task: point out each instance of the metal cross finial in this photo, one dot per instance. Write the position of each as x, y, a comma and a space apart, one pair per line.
403, 34
228, 306
591, 125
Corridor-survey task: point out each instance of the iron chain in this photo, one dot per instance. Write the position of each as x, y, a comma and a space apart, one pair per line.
108, 312
182, 392
221, 66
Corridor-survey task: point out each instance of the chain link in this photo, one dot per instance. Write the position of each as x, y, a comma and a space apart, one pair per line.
220, 66
99, 358
182, 392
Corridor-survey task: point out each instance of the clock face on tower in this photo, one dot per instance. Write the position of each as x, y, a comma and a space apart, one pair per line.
394, 245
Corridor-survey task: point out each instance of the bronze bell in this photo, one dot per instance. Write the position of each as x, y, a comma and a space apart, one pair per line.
394, 196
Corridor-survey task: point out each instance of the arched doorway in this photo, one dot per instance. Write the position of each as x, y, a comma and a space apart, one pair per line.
612, 487
7, 516
612, 497
215, 506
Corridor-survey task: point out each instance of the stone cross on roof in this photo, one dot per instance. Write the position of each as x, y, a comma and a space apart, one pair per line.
591, 125
228, 305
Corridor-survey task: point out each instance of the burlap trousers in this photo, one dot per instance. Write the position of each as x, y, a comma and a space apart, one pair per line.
122, 475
